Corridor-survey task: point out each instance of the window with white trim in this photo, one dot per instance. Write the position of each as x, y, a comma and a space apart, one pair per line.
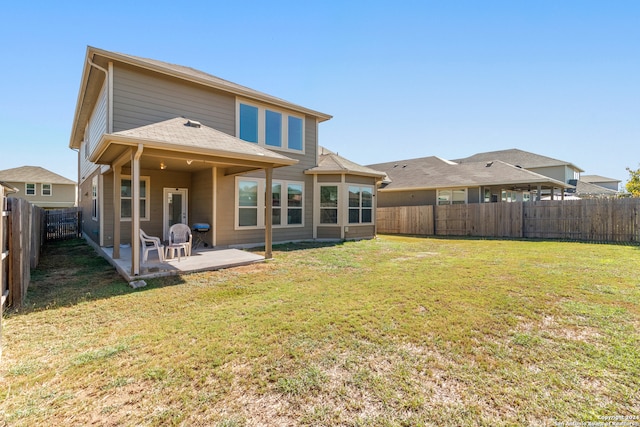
30, 189
270, 127
46, 189
126, 194
94, 198
328, 204
452, 196
287, 203
360, 204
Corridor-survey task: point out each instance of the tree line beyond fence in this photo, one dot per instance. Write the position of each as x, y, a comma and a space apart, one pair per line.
602, 220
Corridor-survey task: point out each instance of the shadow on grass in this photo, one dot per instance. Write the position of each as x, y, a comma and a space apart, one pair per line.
71, 272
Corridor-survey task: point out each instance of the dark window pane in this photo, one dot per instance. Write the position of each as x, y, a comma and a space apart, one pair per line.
247, 217
328, 196
366, 215
248, 123
125, 207
273, 128
276, 216
294, 195
354, 197
354, 216
294, 216
328, 216
295, 133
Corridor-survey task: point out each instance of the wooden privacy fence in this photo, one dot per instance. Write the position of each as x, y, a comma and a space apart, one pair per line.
610, 220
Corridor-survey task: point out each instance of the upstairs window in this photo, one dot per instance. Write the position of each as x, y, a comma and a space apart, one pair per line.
46, 189
30, 189
270, 127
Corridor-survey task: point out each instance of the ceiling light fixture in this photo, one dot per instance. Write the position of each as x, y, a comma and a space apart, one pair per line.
163, 166
189, 162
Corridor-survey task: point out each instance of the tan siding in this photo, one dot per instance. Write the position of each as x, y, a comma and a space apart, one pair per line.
363, 180
360, 232
141, 98
328, 232
329, 178
62, 195
555, 172
201, 200
406, 198
90, 228
96, 127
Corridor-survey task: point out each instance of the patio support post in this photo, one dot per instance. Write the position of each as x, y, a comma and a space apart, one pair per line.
135, 210
268, 221
539, 194
116, 211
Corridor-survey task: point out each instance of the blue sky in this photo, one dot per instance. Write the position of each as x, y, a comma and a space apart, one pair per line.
402, 79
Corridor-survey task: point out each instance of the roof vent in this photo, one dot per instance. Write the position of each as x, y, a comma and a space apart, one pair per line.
193, 124
488, 165
404, 166
518, 166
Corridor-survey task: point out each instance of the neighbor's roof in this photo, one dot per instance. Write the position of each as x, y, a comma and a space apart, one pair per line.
434, 172
102, 57
177, 135
597, 178
518, 158
332, 163
34, 174
588, 189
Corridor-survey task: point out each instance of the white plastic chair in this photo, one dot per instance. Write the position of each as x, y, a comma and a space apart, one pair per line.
150, 243
180, 238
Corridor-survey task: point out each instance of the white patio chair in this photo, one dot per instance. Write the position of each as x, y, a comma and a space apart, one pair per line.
180, 239
150, 243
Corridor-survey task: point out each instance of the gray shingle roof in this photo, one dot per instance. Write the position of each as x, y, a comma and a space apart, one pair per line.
584, 188
597, 178
434, 172
34, 174
330, 162
176, 134
517, 158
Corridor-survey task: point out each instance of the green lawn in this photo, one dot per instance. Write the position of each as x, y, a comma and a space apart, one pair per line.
396, 331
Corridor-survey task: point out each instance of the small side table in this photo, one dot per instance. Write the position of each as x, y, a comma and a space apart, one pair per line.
176, 247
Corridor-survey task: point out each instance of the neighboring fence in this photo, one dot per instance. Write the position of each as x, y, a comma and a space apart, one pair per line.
61, 224
610, 220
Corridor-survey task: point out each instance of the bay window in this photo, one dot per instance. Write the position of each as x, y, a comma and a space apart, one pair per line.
328, 204
360, 204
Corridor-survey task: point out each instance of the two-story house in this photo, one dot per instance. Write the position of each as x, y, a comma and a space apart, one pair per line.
41, 187
160, 143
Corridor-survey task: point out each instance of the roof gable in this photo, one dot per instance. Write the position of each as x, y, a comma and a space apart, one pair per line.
91, 80
34, 174
330, 162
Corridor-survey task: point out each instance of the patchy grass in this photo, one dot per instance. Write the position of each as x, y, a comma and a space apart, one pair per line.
395, 331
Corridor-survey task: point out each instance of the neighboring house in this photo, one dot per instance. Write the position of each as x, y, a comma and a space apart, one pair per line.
160, 143
435, 181
587, 190
41, 187
558, 170
601, 181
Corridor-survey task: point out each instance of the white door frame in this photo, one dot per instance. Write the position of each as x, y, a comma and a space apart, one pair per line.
165, 208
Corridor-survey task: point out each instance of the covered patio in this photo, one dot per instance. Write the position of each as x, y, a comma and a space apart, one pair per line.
186, 154
204, 259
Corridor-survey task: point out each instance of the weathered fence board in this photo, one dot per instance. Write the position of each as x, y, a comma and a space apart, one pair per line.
607, 220
405, 220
